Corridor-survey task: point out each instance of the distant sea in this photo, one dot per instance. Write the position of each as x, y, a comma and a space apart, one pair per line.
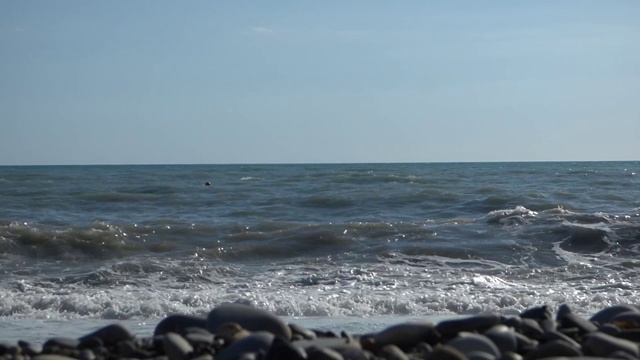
349, 244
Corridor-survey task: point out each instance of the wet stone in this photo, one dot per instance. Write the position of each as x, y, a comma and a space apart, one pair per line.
556, 335
503, 337
315, 353
259, 341
304, 333
469, 342
29, 348
110, 335
281, 349
479, 323
392, 352
605, 315
627, 320
249, 317
583, 325
60, 342
176, 347
446, 352
178, 324
407, 336
601, 344
553, 348
538, 313
531, 329
479, 355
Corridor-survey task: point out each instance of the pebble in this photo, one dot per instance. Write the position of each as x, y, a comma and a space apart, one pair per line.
604, 316
249, 317
242, 332
470, 342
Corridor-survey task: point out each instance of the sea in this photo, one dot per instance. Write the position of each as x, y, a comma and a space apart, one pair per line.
335, 246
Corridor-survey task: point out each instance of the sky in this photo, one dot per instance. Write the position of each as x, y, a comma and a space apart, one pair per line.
224, 82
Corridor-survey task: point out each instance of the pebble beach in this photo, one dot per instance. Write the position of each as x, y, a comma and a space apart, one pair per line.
241, 331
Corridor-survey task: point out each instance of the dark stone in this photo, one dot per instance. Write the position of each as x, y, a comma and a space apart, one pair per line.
574, 321
126, 349
259, 341
60, 342
199, 338
626, 320
315, 353
110, 335
29, 348
538, 313
90, 343
600, 344
178, 324
176, 347
603, 316
392, 352
406, 336
249, 317
479, 323
531, 329
556, 335
445, 352
304, 333
503, 337
281, 349
553, 348
470, 342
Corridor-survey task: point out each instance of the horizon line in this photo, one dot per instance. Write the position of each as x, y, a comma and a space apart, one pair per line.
321, 163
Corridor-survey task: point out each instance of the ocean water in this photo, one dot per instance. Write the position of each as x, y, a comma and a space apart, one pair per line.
347, 244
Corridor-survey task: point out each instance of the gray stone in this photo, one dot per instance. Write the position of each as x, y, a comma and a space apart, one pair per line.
603, 316
281, 349
61, 342
87, 354
531, 329
254, 343
304, 333
392, 352
553, 348
331, 343
249, 317
29, 348
110, 335
316, 353
178, 324
406, 336
445, 352
469, 342
631, 335
503, 337
627, 320
480, 355
601, 344
538, 313
176, 347
572, 320
479, 323
509, 355
199, 338
557, 335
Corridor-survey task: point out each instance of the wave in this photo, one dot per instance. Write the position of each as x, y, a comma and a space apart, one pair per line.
417, 286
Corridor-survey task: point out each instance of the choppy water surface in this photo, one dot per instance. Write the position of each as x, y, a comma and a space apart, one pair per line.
141, 242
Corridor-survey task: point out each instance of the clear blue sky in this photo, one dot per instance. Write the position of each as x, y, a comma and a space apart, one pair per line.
119, 82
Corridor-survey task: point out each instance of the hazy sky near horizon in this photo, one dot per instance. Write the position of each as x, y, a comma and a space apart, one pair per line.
159, 82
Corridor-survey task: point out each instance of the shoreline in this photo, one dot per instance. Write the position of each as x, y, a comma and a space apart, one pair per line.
232, 331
